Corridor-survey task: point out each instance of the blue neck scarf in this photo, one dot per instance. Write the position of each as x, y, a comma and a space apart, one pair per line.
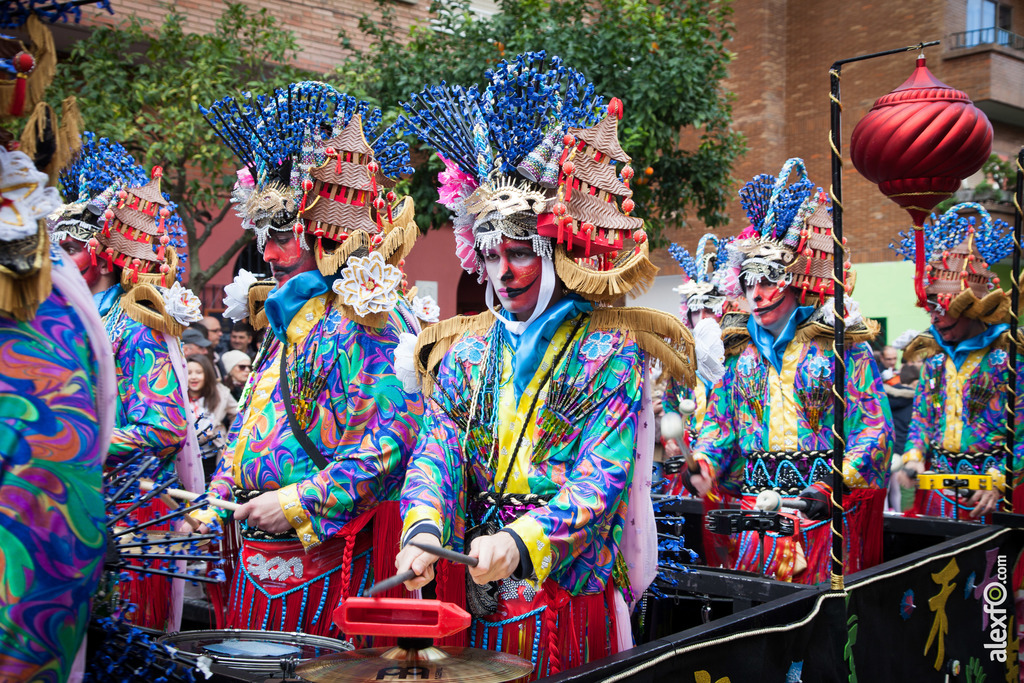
773, 348
284, 302
529, 347
960, 351
106, 299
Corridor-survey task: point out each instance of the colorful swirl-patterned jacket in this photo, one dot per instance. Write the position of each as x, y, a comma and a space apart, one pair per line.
758, 408
960, 403
569, 437
52, 516
355, 411
151, 416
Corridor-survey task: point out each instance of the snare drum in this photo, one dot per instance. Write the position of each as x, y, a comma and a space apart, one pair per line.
253, 655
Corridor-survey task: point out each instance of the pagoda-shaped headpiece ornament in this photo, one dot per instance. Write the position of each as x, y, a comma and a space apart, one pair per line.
702, 276
535, 157
316, 165
790, 234
958, 251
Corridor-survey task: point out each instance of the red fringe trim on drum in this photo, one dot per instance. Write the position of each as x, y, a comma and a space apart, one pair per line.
934, 504
151, 594
220, 593
450, 582
862, 541
572, 630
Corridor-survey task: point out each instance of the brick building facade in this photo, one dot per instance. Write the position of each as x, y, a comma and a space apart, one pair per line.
780, 79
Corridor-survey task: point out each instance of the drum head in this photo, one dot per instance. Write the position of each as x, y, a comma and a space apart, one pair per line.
462, 664
253, 652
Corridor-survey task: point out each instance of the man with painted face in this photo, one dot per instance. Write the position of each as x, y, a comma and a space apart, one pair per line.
118, 233
959, 419
771, 413
536, 450
317, 453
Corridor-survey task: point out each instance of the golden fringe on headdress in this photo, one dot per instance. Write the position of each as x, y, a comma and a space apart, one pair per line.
398, 242
825, 334
633, 274
329, 263
45, 54
375, 321
155, 279
735, 334
403, 235
145, 305
20, 296
258, 293
994, 307
658, 333
66, 132
435, 341
924, 346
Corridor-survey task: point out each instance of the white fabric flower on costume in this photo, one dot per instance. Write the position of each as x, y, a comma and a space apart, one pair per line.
853, 315
426, 309
236, 301
182, 304
369, 284
25, 196
405, 362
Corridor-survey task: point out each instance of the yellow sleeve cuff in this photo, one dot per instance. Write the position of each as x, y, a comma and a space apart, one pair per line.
421, 513
913, 455
537, 545
288, 497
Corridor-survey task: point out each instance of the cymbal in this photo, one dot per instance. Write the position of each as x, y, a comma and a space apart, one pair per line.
462, 664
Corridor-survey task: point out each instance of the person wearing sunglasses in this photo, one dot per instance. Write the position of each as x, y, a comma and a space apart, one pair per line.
237, 367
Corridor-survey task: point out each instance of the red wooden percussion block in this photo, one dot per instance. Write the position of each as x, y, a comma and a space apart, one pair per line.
400, 617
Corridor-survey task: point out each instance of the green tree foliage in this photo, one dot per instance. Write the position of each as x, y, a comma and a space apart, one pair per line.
141, 85
665, 59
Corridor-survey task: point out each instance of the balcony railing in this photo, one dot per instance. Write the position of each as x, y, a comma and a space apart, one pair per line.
987, 36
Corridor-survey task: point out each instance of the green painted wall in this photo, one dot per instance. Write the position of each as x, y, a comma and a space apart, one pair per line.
885, 291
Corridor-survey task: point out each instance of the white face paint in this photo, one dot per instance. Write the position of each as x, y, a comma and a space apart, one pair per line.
771, 303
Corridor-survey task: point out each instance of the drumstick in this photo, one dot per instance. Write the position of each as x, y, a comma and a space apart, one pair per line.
181, 494
407, 575
445, 553
673, 426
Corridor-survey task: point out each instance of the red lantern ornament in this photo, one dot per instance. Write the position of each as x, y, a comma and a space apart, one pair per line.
917, 143
24, 64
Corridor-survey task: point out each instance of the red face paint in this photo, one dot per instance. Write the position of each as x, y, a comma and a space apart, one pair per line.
771, 304
953, 330
286, 257
514, 269
82, 259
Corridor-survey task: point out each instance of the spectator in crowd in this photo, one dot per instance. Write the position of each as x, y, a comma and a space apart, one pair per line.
211, 398
243, 338
237, 366
194, 342
887, 364
218, 344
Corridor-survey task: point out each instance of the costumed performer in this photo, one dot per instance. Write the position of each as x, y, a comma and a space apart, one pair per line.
538, 442
57, 394
117, 229
772, 410
959, 419
318, 451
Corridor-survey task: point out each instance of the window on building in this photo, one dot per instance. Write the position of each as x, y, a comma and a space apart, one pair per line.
988, 21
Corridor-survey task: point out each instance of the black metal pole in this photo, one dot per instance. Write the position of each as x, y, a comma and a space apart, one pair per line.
1011, 384
839, 292
839, 339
